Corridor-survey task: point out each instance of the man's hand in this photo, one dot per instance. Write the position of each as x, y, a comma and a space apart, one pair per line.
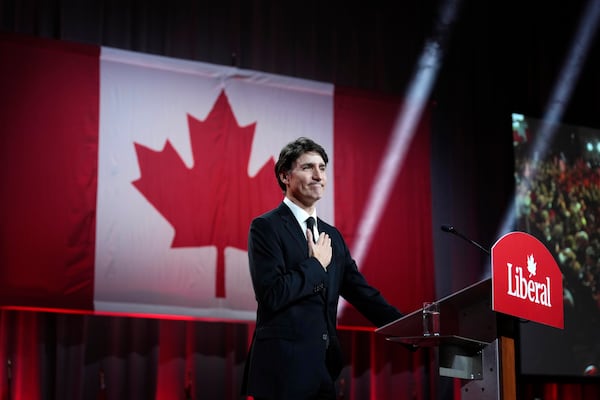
321, 250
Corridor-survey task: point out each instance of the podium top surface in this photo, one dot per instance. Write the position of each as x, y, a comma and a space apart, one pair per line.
466, 313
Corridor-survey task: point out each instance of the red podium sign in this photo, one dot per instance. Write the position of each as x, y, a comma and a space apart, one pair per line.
526, 280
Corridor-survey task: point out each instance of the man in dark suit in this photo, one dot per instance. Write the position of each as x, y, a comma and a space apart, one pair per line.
298, 271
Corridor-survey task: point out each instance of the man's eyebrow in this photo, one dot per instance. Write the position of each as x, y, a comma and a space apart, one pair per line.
307, 164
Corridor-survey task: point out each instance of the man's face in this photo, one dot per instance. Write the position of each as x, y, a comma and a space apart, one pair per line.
306, 181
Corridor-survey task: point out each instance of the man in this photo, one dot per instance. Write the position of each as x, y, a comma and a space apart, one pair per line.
298, 273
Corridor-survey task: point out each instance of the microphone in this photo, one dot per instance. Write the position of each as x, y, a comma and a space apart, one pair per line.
451, 229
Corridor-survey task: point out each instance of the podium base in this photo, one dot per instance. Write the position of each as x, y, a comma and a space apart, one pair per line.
475, 362
459, 357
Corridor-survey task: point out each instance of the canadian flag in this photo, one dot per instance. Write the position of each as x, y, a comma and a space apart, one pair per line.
129, 180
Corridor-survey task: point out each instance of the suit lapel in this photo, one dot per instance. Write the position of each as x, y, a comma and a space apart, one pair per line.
291, 225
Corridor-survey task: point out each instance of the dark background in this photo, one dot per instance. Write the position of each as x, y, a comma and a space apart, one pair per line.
499, 57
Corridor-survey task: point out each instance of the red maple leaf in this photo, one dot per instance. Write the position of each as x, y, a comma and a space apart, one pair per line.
213, 202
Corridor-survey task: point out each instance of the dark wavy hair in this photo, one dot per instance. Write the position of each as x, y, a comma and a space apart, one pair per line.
292, 151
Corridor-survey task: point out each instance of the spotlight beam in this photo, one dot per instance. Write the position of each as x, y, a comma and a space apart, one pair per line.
404, 128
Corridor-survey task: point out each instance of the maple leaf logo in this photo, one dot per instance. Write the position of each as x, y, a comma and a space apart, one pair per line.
213, 202
531, 265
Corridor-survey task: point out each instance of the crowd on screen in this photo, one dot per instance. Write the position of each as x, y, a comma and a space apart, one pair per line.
558, 202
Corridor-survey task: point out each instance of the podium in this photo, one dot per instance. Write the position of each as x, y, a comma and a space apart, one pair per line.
478, 324
476, 344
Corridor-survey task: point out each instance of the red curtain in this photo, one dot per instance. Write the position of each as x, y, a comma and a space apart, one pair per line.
76, 356
561, 391
20, 349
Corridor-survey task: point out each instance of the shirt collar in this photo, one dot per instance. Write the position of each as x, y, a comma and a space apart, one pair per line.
299, 213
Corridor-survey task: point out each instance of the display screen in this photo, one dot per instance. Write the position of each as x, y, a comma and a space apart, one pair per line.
557, 200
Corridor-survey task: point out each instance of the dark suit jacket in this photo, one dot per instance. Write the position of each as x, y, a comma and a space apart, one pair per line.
295, 345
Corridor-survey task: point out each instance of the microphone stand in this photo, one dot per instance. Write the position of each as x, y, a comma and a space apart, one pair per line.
451, 229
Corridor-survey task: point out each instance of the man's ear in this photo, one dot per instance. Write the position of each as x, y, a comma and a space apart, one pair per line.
283, 177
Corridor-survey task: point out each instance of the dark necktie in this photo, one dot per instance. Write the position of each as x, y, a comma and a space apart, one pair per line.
310, 224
